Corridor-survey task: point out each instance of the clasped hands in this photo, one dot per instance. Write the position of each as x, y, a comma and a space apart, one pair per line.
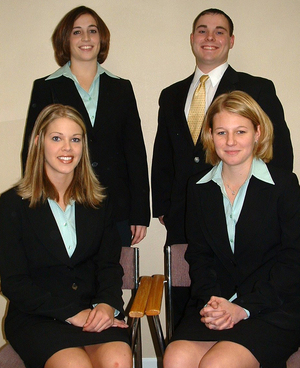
220, 314
96, 320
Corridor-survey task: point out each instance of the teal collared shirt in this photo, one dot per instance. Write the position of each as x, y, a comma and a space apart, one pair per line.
66, 223
90, 98
232, 211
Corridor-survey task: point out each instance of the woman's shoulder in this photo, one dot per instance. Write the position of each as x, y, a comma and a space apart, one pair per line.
10, 198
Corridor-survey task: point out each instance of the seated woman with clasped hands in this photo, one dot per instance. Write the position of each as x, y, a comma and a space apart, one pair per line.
243, 231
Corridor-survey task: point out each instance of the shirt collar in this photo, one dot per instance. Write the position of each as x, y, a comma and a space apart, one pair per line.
215, 75
66, 72
258, 169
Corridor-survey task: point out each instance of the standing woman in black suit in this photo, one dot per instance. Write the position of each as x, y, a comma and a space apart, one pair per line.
243, 231
59, 255
108, 106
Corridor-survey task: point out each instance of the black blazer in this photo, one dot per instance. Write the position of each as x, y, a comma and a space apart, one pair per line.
264, 270
38, 276
176, 158
116, 143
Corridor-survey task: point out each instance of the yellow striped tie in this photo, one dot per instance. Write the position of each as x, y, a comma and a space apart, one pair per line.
197, 109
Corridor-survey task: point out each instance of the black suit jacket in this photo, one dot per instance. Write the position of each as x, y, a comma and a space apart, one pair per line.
38, 276
116, 143
176, 158
264, 270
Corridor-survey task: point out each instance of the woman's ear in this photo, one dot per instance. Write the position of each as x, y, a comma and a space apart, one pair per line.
36, 140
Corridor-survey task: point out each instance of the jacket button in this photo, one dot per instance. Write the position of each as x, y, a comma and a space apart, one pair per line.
74, 286
196, 159
94, 164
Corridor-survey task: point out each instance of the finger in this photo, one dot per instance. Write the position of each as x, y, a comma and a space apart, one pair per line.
119, 323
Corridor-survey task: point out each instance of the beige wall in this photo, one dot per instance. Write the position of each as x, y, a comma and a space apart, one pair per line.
149, 46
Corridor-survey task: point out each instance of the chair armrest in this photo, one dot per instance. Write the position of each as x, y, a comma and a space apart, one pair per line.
137, 309
153, 307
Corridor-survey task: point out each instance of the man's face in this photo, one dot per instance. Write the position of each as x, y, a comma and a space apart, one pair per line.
211, 41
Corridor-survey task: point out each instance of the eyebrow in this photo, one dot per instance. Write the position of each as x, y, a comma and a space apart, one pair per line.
91, 25
63, 133
218, 27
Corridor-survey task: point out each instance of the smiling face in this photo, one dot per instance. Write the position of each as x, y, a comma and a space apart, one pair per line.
234, 138
62, 148
211, 41
84, 39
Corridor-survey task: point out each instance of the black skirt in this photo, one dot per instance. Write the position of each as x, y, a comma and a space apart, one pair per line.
271, 345
37, 339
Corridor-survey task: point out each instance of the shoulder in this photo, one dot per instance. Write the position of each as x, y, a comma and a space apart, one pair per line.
178, 85
10, 199
245, 78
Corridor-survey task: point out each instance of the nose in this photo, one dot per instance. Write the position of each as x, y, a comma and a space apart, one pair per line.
210, 36
66, 146
230, 139
85, 36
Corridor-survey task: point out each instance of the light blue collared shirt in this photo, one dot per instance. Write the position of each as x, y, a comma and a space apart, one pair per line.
66, 223
90, 98
232, 211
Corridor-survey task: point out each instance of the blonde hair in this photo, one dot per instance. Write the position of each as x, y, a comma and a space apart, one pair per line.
240, 103
36, 186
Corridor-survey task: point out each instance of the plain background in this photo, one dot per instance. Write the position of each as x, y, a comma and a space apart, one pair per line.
150, 46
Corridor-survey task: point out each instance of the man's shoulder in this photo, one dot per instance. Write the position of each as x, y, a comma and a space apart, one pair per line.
184, 83
244, 77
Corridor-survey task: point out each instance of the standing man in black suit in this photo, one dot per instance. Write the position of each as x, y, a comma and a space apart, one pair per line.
176, 157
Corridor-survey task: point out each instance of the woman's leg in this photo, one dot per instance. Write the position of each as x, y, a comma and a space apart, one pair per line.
110, 354
69, 358
183, 353
227, 354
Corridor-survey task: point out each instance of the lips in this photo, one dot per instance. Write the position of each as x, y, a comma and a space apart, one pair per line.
86, 47
209, 47
65, 159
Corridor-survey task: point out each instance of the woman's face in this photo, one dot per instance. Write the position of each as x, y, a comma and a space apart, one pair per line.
84, 39
62, 148
234, 138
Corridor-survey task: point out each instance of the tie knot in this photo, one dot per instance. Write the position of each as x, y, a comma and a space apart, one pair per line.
203, 78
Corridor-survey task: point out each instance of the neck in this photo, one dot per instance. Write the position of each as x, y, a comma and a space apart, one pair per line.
86, 69
235, 176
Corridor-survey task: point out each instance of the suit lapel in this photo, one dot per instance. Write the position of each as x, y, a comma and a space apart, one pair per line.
46, 229
64, 91
212, 208
228, 82
254, 210
87, 226
179, 105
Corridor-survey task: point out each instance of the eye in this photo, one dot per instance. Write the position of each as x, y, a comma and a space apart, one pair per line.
76, 33
94, 31
241, 132
220, 32
56, 138
221, 133
76, 140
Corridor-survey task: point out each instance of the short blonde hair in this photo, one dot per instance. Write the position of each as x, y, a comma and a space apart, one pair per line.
36, 186
240, 103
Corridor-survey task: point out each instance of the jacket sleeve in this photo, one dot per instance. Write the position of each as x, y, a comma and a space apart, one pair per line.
282, 146
162, 172
136, 160
40, 97
109, 272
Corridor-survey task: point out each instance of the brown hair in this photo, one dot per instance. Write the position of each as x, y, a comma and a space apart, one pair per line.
215, 11
240, 103
36, 186
62, 32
